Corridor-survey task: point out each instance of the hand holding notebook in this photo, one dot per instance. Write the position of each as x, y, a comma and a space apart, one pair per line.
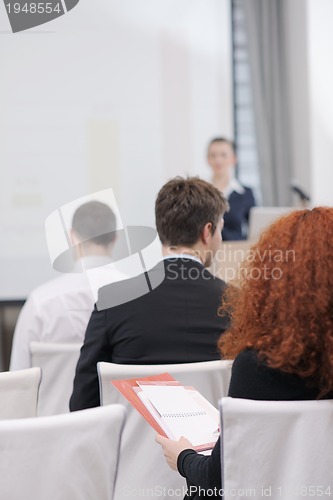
172, 409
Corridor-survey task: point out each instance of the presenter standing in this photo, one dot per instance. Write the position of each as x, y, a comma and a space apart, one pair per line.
222, 160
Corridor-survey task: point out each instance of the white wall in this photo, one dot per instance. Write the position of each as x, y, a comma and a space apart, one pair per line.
299, 103
320, 46
113, 94
310, 42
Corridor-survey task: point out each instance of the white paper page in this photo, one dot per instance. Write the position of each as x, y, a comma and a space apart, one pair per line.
206, 405
146, 401
182, 415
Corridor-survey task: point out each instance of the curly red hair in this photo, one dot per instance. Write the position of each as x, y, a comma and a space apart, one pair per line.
284, 307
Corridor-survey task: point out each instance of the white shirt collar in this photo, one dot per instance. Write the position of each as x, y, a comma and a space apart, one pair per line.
90, 262
234, 185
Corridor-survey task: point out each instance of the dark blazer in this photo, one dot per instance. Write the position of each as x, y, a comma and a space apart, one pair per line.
176, 322
236, 220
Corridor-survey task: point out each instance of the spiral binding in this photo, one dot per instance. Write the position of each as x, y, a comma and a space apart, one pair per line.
190, 414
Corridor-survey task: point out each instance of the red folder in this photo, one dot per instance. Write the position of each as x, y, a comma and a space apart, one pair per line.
129, 389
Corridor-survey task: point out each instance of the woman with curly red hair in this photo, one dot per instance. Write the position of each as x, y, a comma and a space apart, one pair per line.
281, 335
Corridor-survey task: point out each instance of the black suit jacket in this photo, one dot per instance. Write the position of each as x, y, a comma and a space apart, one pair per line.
176, 322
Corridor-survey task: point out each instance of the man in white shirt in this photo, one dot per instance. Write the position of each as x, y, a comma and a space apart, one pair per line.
59, 310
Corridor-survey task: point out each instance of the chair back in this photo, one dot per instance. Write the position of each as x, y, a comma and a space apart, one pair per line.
276, 449
58, 363
19, 393
139, 453
62, 457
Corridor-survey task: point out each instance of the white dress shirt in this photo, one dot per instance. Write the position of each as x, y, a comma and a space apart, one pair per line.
57, 311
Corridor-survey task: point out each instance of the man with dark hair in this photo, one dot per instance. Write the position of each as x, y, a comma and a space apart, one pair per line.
59, 310
94, 223
177, 321
187, 211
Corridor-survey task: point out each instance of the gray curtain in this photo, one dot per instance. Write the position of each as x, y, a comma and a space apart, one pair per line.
265, 28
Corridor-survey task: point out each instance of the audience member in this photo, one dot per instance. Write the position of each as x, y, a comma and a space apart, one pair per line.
58, 311
281, 334
176, 321
222, 160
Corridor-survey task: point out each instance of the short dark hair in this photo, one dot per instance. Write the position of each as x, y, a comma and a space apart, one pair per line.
225, 140
183, 208
95, 222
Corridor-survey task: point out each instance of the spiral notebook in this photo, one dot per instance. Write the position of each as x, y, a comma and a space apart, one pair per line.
172, 409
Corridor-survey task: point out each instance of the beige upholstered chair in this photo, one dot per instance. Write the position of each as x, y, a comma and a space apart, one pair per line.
58, 363
19, 393
276, 449
142, 467
63, 457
